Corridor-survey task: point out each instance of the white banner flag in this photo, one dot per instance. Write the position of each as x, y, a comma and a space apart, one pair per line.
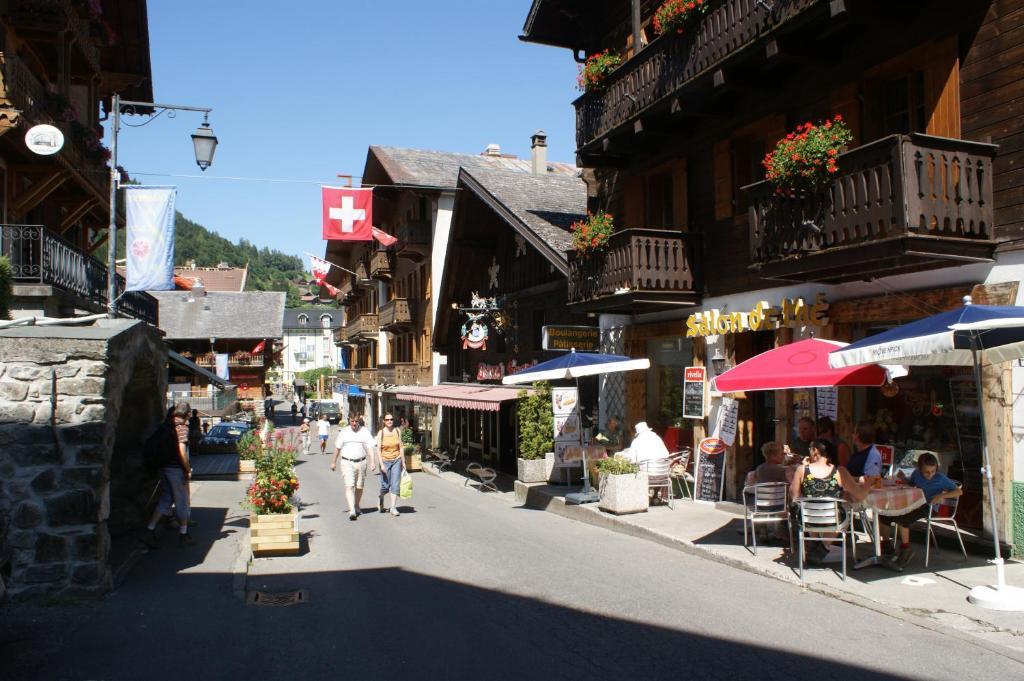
222, 365
150, 242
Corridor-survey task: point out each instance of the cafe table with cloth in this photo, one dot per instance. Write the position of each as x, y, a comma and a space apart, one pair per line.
890, 499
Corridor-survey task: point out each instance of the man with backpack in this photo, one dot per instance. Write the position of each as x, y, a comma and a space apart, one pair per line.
166, 449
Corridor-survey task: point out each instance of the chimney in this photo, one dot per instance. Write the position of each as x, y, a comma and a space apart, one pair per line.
492, 150
539, 153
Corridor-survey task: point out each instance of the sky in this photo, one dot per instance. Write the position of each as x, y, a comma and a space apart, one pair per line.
300, 90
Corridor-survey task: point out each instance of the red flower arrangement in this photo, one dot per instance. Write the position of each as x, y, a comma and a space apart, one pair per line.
672, 15
592, 234
596, 69
269, 494
806, 159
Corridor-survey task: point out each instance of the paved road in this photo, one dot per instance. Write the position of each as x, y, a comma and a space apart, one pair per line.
466, 586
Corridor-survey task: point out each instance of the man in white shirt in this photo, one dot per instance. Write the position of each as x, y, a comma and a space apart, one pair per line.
354, 446
646, 445
323, 430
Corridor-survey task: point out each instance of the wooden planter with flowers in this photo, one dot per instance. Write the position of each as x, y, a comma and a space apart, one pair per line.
274, 534
274, 520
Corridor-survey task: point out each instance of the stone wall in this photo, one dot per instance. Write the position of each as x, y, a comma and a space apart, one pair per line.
76, 405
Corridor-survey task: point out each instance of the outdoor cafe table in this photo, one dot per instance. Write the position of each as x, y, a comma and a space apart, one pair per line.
888, 500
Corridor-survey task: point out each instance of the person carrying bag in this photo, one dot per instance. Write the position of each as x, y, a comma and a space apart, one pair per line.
392, 463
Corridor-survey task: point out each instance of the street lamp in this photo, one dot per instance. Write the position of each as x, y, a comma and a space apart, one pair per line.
205, 143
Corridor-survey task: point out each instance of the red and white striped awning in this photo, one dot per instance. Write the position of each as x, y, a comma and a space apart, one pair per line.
462, 396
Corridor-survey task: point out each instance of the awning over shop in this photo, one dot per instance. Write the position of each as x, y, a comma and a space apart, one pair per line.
193, 368
465, 396
356, 391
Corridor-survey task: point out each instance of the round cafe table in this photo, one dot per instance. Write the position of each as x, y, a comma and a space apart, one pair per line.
888, 500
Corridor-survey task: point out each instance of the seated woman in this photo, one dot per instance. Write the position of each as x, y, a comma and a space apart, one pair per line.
612, 437
820, 477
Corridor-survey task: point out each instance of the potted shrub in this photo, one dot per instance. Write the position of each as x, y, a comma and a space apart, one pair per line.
411, 450
673, 15
592, 235
623, 487
806, 160
596, 69
536, 434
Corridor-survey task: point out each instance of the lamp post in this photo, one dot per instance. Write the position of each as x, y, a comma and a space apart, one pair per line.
205, 143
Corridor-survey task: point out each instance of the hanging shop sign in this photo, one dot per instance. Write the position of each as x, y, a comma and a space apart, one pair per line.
579, 338
693, 392
474, 333
44, 139
790, 312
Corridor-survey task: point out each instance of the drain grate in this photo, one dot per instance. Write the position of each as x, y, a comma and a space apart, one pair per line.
278, 599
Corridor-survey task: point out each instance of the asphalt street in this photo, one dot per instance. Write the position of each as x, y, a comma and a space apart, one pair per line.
464, 585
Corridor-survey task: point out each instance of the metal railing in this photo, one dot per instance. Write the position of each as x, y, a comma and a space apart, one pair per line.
902, 185
39, 256
635, 261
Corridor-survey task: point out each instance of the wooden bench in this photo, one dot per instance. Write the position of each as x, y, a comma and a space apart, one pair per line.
485, 477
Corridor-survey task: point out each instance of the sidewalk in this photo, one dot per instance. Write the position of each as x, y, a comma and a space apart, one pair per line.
937, 593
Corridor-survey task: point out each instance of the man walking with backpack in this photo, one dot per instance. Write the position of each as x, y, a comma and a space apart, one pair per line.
167, 447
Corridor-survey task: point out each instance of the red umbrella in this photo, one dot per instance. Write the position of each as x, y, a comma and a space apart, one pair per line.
803, 364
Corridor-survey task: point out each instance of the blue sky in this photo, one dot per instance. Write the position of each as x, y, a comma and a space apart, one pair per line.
301, 89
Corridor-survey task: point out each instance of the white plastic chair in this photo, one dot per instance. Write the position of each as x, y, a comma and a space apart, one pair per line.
818, 515
659, 476
766, 502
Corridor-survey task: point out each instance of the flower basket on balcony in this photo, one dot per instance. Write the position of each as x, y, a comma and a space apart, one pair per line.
591, 235
673, 15
596, 69
805, 160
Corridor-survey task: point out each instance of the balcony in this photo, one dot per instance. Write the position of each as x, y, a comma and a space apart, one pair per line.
903, 203
362, 329
641, 270
26, 93
676, 65
364, 376
39, 256
395, 315
413, 241
44, 22
235, 359
362, 270
348, 290
403, 373
380, 265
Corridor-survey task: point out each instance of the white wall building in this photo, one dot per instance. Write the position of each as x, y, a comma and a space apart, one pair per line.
309, 341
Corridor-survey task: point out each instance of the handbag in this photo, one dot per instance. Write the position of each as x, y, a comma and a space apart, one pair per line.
405, 486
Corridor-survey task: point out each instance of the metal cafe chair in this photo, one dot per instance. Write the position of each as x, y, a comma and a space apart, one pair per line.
659, 476
819, 515
765, 502
947, 522
679, 462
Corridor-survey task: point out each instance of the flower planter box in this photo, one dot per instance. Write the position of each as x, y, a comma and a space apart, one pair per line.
626, 493
535, 470
413, 462
247, 465
274, 534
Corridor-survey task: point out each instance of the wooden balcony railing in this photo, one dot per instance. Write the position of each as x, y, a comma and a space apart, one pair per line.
362, 328
365, 376
39, 256
380, 265
901, 203
347, 291
413, 240
50, 18
395, 314
640, 267
402, 373
672, 61
362, 270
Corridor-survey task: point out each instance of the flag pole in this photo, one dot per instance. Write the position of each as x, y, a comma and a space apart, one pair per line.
330, 264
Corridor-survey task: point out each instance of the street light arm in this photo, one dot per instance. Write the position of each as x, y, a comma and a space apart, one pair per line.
157, 105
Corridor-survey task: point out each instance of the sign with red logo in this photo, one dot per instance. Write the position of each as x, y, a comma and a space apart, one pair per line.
693, 392
712, 446
709, 470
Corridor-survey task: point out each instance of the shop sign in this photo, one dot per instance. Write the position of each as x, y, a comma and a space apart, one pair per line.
693, 392
489, 372
709, 471
474, 333
791, 312
580, 338
514, 367
565, 409
44, 139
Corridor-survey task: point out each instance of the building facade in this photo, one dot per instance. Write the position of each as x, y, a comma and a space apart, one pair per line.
922, 208
308, 341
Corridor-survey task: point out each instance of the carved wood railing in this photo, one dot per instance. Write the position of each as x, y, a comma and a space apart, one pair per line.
636, 260
399, 373
395, 313
901, 185
380, 265
364, 327
671, 61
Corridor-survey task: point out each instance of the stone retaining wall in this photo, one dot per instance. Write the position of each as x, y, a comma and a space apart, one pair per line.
74, 412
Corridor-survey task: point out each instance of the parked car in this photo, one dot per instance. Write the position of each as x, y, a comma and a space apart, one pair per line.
223, 438
330, 410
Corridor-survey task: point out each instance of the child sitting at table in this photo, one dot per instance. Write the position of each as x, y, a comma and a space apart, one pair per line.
936, 487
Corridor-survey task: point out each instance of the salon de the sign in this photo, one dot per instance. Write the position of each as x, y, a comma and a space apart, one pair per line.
790, 312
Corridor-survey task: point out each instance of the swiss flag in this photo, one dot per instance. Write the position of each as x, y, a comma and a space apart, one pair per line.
347, 214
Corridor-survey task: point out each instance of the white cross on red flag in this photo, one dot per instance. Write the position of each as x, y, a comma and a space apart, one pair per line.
347, 214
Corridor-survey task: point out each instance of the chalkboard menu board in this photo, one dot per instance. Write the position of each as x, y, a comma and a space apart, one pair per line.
693, 393
709, 471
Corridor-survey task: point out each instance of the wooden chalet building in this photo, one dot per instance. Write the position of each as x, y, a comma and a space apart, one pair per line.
391, 299
60, 64
927, 203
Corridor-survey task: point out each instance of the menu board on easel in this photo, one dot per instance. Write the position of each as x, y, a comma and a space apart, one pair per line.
565, 409
693, 392
709, 471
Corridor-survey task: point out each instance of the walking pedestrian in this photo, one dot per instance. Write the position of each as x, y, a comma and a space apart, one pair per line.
354, 445
304, 431
391, 462
175, 473
195, 432
323, 430
295, 412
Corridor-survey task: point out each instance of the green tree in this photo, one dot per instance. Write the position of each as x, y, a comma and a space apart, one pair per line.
536, 422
